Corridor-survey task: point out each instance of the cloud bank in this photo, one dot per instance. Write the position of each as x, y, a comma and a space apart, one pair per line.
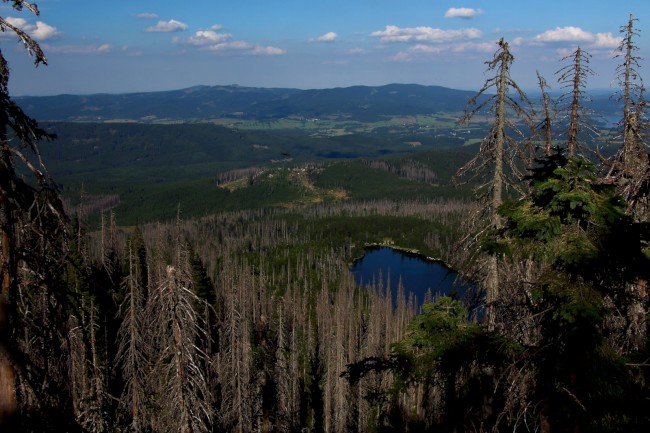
214, 40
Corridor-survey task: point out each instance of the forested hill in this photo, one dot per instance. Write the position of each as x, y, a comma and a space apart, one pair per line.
209, 102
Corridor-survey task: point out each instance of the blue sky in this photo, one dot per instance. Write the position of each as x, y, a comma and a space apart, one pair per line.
116, 46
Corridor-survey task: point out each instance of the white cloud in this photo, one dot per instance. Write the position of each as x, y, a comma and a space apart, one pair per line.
127, 51
20, 23
464, 13
481, 47
421, 48
244, 47
210, 36
461, 47
578, 35
39, 31
167, 27
606, 40
393, 34
327, 37
518, 41
401, 57
44, 31
203, 38
565, 34
564, 52
79, 49
424, 34
268, 51
146, 16
218, 42
229, 46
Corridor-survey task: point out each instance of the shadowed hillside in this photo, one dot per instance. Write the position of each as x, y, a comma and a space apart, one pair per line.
204, 102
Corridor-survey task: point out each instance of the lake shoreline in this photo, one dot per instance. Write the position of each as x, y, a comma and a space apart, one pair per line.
391, 265
409, 251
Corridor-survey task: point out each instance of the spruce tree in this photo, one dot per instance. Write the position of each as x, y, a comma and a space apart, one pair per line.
588, 250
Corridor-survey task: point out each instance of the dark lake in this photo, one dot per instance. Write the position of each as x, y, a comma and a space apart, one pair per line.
417, 274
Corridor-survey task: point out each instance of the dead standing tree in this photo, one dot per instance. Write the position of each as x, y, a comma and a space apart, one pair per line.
182, 393
546, 125
630, 168
573, 78
498, 165
31, 217
133, 349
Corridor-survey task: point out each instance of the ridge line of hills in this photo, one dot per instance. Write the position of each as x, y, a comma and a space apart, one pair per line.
207, 103
204, 103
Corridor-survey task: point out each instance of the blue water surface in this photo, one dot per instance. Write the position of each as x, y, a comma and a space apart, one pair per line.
417, 274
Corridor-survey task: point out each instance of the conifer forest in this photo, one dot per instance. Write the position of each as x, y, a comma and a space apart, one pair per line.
248, 320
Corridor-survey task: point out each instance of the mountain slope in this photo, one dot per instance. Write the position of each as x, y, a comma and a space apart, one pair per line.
204, 103
200, 102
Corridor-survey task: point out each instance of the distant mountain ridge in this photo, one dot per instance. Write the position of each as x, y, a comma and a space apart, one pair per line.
201, 103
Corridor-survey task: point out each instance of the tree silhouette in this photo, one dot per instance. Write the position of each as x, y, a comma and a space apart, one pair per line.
546, 124
573, 78
181, 387
630, 167
31, 217
498, 165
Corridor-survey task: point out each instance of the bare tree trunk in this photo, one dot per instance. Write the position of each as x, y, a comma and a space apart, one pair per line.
629, 125
547, 122
8, 403
133, 346
77, 366
98, 392
572, 141
574, 78
182, 393
492, 280
632, 168
490, 165
8, 400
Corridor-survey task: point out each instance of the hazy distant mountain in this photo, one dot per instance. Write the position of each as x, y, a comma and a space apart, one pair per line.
367, 103
198, 102
206, 102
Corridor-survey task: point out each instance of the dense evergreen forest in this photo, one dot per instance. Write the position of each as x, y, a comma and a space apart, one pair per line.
248, 319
